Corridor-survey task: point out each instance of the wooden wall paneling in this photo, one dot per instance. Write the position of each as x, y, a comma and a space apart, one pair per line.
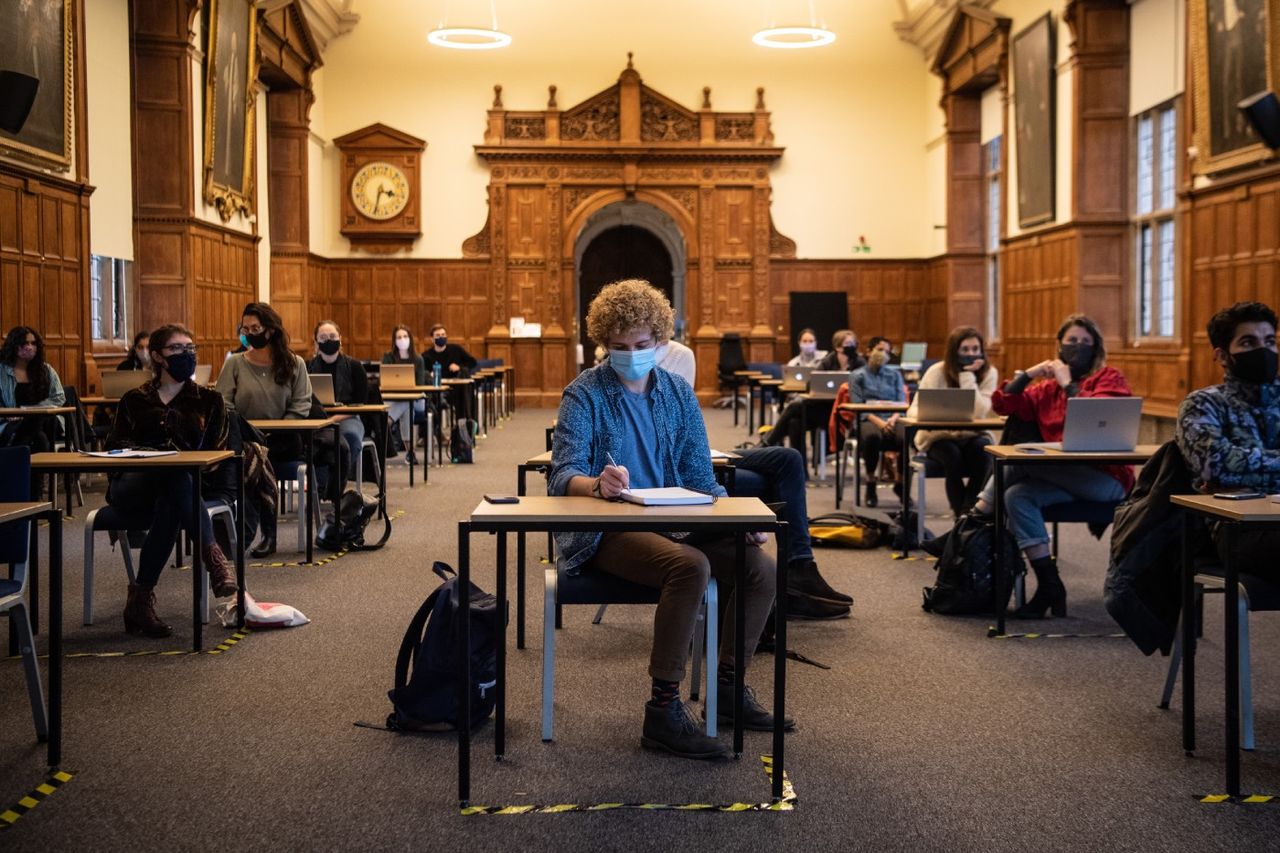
1100, 56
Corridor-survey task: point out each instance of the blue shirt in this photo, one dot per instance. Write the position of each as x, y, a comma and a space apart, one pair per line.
639, 450
865, 386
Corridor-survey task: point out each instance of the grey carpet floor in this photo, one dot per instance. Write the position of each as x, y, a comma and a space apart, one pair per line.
924, 734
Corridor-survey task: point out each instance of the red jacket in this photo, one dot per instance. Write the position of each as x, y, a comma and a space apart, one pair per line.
1045, 403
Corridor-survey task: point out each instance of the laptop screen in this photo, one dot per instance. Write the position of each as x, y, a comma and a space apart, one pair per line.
913, 355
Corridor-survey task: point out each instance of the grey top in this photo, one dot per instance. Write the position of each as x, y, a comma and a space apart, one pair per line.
252, 390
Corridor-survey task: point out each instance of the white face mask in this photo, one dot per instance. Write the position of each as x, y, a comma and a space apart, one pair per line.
402, 344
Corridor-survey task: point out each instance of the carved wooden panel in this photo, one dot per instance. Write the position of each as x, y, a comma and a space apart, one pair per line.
224, 276
1039, 290
526, 222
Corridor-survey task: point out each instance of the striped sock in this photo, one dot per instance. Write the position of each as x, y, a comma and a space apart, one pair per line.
665, 691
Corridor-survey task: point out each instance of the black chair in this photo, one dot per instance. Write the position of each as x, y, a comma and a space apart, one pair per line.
731, 360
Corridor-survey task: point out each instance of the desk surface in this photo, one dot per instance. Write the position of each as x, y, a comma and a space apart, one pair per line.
974, 423
22, 509
538, 509
413, 390
457, 381
59, 461
294, 424
362, 409
884, 406
36, 410
544, 458
99, 401
1137, 456
1255, 509
748, 373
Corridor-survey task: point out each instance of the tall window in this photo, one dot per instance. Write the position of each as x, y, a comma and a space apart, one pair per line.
1155, 235
109, 280
991, 233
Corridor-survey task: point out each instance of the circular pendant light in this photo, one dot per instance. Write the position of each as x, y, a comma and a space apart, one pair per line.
796, 37
471, 38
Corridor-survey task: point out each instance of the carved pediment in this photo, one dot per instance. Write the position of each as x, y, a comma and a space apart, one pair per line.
287, 50
972, 52
595, 119
379, 135
663, 120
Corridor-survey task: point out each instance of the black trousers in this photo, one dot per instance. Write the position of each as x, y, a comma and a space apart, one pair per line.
966, 466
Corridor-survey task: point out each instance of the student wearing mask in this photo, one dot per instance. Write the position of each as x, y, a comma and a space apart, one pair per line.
26, 379
844, 352
350, 384
406, 412
877, 382
790, 424
625, 424
809, 354
168, 412
1079, 370
1229, 434
455, 362
138, 358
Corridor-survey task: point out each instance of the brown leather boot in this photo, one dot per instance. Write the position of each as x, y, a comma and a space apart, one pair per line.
140, 617
222, 574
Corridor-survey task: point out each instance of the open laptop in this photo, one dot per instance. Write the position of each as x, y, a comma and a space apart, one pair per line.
116, 382
1100, 424
912, 355
202, 374
397, 377
823, 384
945, 404
322, 387
797, 374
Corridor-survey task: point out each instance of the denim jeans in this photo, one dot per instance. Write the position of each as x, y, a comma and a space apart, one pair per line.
777, 474
399, 410
1028, 489
165, 498
352, 432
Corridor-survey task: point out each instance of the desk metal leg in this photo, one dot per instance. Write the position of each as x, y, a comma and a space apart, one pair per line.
500, 712
464, 666
382, 462
739, 638
1189, 616
997, 538
857, 462
735, 403
520, 558
240, 540
311, 490
904, 483
1232, 643
751, 409
779, 662
54, 518
197, 554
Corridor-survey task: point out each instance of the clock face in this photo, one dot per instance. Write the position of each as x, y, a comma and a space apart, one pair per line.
379, 190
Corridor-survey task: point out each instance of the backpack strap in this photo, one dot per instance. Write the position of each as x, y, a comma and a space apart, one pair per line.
413, 638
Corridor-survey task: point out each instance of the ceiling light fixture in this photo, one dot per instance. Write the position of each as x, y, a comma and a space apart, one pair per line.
796, 37
471, 38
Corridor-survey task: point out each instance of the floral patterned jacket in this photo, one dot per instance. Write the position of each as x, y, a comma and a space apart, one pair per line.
1229, 435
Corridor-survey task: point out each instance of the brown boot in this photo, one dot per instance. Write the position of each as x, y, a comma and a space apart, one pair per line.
140, 617
222, 575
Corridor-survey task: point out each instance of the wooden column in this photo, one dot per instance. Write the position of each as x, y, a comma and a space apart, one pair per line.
288, 128
965, 262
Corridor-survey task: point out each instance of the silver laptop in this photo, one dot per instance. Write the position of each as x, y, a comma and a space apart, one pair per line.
797, 374
1100, 424
397, 377
945, 404
116, 382
322, 387
823, 384
913, 355
202, 374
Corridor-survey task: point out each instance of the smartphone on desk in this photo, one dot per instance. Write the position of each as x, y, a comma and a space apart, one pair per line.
502, 499
1238, 496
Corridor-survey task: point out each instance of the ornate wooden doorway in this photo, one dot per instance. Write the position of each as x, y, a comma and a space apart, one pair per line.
624, 251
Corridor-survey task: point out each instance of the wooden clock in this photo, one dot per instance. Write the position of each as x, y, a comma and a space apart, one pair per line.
380, 184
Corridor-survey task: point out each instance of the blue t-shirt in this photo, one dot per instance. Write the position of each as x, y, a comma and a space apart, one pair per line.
638, 451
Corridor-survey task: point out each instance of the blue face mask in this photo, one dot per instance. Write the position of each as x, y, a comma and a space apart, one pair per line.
634, 364
244, 342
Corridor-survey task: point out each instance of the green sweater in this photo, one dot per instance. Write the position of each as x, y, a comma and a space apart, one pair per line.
253, 392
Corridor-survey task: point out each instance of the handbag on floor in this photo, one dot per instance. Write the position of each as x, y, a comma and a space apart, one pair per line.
846, 530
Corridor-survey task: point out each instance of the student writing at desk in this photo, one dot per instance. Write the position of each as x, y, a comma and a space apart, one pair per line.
649, 422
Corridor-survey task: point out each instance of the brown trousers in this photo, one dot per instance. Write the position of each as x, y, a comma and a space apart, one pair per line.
681, 572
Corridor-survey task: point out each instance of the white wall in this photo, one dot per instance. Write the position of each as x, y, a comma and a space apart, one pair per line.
263, 211
1158, 40
110, 131
935, 166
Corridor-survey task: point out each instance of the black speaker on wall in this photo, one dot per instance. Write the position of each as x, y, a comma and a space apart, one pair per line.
1263, 110
17, 95
825, 313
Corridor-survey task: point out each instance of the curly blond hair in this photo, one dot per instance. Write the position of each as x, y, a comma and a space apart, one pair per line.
629, 304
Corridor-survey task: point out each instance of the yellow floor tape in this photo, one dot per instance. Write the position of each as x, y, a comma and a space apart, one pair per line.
225, 646
10, 816
314, 564
926, 559
992, 634
786, 804
1243, 799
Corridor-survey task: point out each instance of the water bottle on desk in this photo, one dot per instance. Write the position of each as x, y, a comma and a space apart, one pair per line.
435, 374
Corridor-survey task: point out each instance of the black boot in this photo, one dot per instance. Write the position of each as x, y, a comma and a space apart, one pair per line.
671, 728
870, 499
1050, 594
803, 578
806, 607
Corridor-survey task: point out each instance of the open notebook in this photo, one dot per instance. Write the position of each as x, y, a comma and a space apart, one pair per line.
673, 496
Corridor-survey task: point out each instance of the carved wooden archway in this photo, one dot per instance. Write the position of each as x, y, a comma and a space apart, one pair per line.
551, 169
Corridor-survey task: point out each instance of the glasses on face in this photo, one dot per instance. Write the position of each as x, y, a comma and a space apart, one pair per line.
178, 349
251, 330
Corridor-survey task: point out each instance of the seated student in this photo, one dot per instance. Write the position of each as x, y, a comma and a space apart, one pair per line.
875, 382
1229, 434
26, 379
406, 412
455, 363
790, 424
168, 412
350, 384
961, 454
776, 475
268, 382
844, 352
622, 424
809, 355
138, 359
1079, 370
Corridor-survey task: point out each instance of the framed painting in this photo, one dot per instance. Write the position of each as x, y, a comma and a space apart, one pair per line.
36, 39
1235, 53
1034, 121
229, 74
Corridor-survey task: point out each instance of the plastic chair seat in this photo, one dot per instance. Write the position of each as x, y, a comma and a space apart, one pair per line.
602, 588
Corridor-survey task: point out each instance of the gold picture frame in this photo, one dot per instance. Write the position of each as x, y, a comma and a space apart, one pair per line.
1235, 52
37, 42
230, 70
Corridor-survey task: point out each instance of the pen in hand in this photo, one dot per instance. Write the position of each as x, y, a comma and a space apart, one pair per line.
622, 474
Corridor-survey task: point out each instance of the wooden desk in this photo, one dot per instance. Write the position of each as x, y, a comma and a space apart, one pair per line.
582, 514
308, 427
30, 512
194, 462
67, 443
384, 442
1259, 512
1020, 454
742, 376
36, 411
880, 407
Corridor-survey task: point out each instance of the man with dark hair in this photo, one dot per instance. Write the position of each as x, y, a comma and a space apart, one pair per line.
1229, 434
455, 362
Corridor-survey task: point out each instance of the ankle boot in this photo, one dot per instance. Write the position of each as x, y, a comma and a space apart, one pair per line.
140, 617
222, 575
265, 548
803, 578
870, 499
1050, 594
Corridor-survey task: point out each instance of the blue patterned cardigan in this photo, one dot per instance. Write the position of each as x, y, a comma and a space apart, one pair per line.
1229, 435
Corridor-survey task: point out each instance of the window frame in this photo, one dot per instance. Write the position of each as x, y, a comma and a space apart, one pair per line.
110, 297
1154, 219
991, 267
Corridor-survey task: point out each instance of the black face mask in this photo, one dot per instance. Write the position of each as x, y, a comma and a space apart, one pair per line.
441, 341
181, 365
851, 352
1256, 366
1078, 357
257, 341
966, 360
329, 347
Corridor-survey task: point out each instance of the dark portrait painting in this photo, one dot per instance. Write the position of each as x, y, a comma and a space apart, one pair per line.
228, 108
1237, 67
35, 40
1033, 95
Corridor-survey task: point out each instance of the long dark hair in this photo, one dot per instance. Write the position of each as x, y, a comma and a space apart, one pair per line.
283, 364
951, 362
37, 372
158, 340
395, 350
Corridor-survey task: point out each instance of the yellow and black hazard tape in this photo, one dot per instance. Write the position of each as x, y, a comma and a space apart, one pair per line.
786, 804
1241, 800
314, 564
43, 791
993, 634
225, 646
897, 555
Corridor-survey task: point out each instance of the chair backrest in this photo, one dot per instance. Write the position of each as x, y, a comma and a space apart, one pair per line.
79, 422
769, 368
15, 487
731, 357
483, 363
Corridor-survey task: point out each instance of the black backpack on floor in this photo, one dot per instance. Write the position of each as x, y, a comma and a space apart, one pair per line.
965, 572
427, 698
462, 443
346, 530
